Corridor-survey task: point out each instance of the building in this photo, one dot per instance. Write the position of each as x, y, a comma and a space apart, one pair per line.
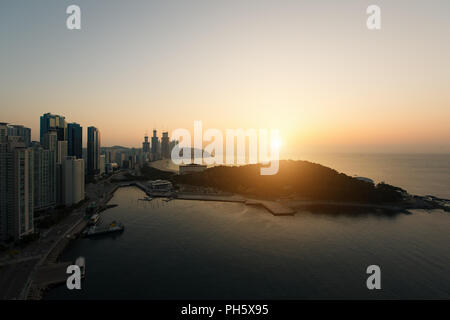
155, 146
146, 145
132, 161
102, 164
44, 177
165, 146
61, 151
16, 188
75, 140
20, 131
3, 132
49, 141
160, 185
72, 180
368, 180
191, 168
93, 151
111, 167
53, 122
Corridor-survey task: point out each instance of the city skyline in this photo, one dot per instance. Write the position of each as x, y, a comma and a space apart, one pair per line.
312, 70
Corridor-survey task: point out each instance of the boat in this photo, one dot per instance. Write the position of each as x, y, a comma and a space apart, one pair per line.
81, 263
94, 219
96, 230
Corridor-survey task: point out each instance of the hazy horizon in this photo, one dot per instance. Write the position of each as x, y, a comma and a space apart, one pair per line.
310, 69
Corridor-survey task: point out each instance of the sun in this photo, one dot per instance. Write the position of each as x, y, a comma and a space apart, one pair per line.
276, 143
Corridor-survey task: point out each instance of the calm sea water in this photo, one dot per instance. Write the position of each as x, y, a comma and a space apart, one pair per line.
211, 250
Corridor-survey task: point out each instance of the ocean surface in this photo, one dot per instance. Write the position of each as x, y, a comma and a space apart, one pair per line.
211, 250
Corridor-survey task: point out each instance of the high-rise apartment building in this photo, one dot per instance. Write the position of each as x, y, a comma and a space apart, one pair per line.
16, 188
72, 180
49, 141
44, 177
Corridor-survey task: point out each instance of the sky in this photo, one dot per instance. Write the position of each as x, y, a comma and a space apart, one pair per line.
310, 69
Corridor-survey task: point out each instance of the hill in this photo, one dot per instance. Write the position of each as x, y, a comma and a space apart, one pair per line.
298, 179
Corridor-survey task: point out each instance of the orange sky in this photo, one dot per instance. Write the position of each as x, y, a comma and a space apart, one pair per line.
311, 70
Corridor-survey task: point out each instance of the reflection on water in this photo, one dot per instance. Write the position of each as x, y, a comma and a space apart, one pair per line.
198, 249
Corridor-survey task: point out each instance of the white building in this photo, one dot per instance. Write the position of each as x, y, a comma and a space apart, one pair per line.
72, 180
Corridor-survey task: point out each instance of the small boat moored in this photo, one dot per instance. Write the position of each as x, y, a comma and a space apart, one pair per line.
95, 230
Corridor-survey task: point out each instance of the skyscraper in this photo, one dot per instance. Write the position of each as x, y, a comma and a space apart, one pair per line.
16, 189
53, 122
93, 151
165, 150
146, 145
155, 146
75, 140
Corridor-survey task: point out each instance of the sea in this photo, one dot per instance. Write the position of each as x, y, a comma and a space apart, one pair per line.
184, 249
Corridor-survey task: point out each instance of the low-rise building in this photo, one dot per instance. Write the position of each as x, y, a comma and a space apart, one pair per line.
160, 185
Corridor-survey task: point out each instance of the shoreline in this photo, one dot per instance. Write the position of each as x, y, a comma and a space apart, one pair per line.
277, 208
